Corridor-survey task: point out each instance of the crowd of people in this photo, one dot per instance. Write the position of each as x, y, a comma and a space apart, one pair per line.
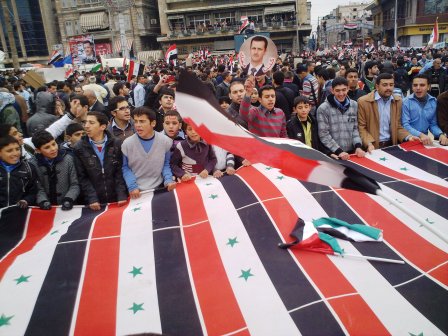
98, 138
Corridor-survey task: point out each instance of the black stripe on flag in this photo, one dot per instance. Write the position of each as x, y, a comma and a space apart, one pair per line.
423, 293
426, 198
52, 314
178, 312
425, 163
12, 225
291, 284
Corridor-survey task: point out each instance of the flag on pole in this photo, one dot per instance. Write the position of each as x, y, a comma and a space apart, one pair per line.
350, 26
434, 38
352, 232
135, 69
306, 237
299, 161
171, 54
244, 24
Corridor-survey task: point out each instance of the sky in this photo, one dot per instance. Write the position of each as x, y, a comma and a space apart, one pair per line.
324, 7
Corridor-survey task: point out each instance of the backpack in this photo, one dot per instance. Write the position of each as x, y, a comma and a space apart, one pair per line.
401, 79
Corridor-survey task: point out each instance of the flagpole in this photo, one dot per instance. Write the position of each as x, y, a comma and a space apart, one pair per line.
417, 218
353, 256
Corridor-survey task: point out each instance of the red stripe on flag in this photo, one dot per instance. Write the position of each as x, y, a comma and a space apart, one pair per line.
435, 153
325, 275
97, 307
219, 307
40, 223
416, 249
369, 164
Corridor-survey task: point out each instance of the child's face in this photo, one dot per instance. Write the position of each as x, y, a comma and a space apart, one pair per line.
143, 126
10, 154
16, 134
192, 134
267, 99
254, 96
49, 150
75, 137
224, 105
302, 111
171, 126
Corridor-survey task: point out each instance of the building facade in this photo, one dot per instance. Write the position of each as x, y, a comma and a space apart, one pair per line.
91, 17
212, 25
347, 24
34, 30
415, 21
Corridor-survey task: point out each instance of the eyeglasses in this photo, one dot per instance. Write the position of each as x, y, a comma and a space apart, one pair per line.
123, 108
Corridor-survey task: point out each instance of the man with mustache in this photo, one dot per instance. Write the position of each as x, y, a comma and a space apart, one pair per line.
379, 116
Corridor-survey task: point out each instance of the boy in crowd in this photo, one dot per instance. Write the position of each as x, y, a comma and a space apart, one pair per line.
121, 125
98, 161
302, 126
56, 172
172, 127
224, 102
166, 101
225, 162
73, 133
16, 175
146, 155
338, 122
266, 120
193, 156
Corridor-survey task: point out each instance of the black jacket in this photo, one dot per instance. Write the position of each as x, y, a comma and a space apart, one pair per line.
21, 184
103, 184
295, 130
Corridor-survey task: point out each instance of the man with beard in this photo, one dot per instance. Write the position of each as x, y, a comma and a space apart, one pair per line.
379, 116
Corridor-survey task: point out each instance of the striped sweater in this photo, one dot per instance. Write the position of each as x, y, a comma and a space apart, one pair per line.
262, 122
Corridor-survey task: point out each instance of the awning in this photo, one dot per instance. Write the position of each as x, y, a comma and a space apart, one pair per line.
117, 44
94, 21
175, 17
278, 9
150, 55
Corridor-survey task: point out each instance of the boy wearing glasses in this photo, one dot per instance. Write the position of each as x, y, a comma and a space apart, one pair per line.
121, 124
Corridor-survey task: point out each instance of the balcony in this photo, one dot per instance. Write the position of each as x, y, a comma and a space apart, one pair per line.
211, 32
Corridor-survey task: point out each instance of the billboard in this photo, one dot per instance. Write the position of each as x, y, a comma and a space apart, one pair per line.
82, 49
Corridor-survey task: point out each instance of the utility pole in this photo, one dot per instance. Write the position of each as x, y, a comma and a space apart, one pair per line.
395, 24
12, 41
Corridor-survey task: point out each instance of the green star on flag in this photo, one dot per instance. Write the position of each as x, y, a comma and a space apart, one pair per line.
212, 196
268, 168
232, 241
137, 209
64, 222
429, 221
22, 278
404, 169
4, 320
208, 184
136, 271
411, 334
136, 307
55, 231
383, 158
245, 274
280, 177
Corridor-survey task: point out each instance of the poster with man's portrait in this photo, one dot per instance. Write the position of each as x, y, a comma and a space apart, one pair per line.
257, 55
82, 48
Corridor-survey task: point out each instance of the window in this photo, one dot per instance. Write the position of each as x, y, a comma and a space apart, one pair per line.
196, 20
69, 28
65, 3
154, 21
77, 27
425, 39
436, 6
88, 2
229, 17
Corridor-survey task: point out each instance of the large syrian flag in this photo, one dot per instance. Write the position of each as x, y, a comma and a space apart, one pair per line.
291, 157
171, 55
204, 260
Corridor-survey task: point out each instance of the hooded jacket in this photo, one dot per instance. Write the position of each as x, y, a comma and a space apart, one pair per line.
8, 113
44, 116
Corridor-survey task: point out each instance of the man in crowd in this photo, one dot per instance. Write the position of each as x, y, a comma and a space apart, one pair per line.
354, 92
379, 116
121, 124
139, 91
419, 112
438, 79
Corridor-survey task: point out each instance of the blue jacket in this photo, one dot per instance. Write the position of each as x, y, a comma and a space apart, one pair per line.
419, 120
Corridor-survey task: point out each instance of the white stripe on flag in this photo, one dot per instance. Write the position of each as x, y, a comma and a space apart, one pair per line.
137, 275
260, 304
35, 263
372, 286
405, 168
433, 218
